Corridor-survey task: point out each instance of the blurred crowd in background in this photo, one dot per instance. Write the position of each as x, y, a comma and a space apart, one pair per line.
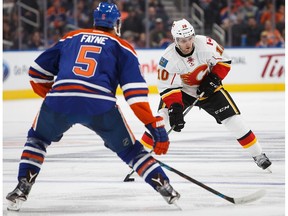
38, 24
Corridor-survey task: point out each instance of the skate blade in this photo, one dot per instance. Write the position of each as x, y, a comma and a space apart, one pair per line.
14, 206
268, 169
175, 203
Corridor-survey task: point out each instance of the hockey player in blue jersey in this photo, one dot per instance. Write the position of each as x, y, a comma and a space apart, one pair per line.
78, 78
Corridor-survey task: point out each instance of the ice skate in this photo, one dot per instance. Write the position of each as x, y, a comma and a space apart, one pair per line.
166, 190
263, 162
18, 195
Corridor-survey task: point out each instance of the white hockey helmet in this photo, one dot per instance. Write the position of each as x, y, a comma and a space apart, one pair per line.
182, 29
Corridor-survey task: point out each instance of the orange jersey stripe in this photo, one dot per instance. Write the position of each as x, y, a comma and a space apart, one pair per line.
145, 166
143, 112
41, 88
98, 32
29, 155
135, 92
31, 72
73, 87
35, 121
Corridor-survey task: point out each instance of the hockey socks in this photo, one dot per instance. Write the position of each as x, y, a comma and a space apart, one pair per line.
249, 142
243, 134
32, 157
143, 163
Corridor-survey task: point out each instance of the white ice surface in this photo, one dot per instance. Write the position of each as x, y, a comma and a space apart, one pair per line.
81, 177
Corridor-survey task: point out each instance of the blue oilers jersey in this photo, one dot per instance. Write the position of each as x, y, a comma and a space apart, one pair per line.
83, 70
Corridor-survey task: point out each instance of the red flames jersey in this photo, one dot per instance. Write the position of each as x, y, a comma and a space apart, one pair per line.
178, 72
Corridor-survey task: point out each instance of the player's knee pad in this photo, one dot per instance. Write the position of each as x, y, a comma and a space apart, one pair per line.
33, 135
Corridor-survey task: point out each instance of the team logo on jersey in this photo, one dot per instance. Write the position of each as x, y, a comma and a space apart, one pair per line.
209, 41
163, 62
190, 61
194, 77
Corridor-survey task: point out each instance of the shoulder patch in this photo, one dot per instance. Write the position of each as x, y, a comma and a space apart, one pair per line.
163, 62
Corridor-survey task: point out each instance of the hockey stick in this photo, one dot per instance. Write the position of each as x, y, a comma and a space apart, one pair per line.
127, 178
240, 200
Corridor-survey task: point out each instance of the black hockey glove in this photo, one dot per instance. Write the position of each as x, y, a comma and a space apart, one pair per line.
209, 84
176, 117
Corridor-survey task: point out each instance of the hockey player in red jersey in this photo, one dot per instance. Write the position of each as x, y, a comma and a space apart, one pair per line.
78, 78
193, 65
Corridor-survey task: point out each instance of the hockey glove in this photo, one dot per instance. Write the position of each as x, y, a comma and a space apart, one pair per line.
160, 136
209, 84
176, 117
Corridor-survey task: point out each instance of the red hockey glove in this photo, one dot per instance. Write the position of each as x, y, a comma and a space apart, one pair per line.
160, 136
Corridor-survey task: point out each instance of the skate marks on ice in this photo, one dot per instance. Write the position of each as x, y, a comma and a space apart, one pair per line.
81, 177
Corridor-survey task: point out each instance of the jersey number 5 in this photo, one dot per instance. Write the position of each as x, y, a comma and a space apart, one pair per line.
88, 65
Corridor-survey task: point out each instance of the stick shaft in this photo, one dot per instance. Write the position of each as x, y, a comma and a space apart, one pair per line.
230, 199
170, 130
